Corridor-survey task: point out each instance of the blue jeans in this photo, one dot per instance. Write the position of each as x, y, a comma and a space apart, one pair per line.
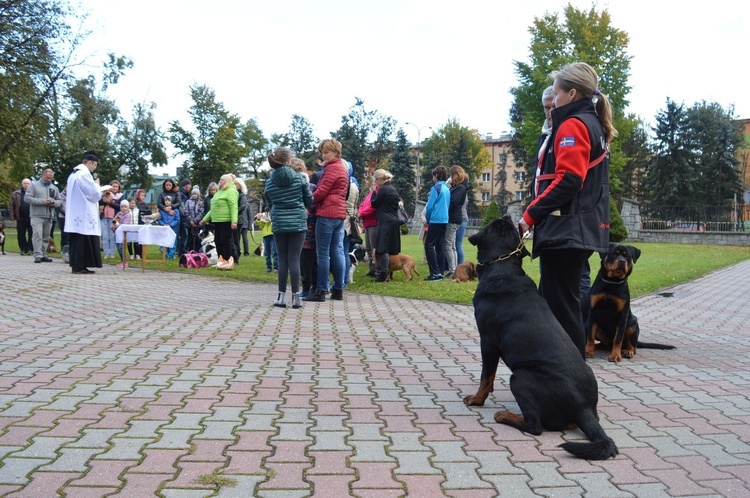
108, 237
460, 242
329, 246
269, 250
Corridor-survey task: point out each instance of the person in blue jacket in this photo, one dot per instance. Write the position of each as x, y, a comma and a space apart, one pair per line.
436, 221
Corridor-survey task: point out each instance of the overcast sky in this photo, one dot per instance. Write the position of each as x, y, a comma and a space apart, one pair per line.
418, 61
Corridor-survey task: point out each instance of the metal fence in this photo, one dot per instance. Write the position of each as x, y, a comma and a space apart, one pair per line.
696, 218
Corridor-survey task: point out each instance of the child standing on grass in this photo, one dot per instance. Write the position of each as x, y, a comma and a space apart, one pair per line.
123, 217
172, 221
269, 246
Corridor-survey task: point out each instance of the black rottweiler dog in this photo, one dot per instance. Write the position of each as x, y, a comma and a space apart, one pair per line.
611, 321
554, 387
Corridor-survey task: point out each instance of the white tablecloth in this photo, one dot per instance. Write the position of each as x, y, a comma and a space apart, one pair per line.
152, 235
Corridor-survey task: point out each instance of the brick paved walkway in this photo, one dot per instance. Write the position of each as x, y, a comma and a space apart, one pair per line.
159, 384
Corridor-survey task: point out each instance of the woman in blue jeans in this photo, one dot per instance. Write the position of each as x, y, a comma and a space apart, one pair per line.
330, 208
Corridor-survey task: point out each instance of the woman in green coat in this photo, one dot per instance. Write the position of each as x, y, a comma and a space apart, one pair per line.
288, 196
223, 216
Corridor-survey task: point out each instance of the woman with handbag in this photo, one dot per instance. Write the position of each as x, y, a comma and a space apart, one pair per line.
386, 200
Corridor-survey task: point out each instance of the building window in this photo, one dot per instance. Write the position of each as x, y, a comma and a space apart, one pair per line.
485, 177
519, 196
520, 176
485, 196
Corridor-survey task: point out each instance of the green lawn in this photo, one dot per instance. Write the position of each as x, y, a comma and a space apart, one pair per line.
660, 266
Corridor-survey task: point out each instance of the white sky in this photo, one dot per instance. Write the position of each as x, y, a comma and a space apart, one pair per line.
419, 61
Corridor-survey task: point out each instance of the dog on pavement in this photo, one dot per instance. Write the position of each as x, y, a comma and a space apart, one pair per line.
401, 262
554, 387
465, 271
611, 323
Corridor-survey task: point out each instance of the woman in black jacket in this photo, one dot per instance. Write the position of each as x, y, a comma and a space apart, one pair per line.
570, 209
386, 200
459, 185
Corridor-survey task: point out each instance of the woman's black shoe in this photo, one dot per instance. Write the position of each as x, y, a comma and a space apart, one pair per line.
317, 296
337, 294
381, 277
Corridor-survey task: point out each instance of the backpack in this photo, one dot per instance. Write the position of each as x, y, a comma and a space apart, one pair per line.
194, 259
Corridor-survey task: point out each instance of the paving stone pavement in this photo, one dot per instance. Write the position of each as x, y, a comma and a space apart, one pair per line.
139, 384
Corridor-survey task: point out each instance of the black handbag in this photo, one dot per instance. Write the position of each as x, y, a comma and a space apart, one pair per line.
403, 218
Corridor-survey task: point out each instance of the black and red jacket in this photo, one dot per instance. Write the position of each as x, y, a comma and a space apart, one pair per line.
570, 208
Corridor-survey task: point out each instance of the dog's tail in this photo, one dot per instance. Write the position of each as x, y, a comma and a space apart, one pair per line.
600, 447
654, 345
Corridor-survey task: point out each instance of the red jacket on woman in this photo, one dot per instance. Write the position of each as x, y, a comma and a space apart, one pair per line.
368, 215
330, 194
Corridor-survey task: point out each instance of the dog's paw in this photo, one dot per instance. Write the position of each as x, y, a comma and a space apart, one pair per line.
474, 400
589, 352
615, 357
629, 353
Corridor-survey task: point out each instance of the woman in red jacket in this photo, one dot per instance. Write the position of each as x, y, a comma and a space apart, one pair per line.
330, 209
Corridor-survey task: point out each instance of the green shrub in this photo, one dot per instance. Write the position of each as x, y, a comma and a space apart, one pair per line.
617, 230
492, 213
405, 229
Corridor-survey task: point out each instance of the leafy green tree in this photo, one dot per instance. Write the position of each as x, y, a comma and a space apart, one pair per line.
403, 174
670, 177
454, 144
256, 147
302, 140
81, 120
716, 137
36, 44
582, 36
216, 147
138, 145
636, 153
366, 139
617, 230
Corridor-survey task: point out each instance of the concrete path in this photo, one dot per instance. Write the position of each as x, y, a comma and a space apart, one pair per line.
161, 384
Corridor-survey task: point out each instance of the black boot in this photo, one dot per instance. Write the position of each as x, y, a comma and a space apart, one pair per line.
295, 300
381, 277
337, 294
280, 300
318, 296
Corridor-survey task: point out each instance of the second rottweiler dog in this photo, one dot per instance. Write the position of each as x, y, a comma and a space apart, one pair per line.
611, 321
553, 386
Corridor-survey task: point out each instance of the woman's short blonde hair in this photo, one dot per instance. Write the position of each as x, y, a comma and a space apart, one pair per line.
330, 144
382, 173
228, 180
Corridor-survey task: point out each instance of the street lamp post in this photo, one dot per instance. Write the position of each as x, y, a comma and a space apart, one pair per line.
419, 171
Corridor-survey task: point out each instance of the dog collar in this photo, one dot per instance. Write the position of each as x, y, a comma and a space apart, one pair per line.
612, 282
506, 256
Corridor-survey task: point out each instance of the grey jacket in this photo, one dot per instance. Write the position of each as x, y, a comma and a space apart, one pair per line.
37, 195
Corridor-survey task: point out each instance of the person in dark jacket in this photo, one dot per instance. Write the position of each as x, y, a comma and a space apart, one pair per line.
20, 211
242, 220
570, 208
385, 200
459, 185
288, 196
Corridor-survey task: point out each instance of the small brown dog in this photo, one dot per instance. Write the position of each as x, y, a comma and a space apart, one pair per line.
51, 247
465, 271
401, 262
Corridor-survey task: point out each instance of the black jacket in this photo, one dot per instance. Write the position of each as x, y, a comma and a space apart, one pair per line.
458, 198
572, 210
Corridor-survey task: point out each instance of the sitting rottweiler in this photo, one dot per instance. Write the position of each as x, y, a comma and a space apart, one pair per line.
611, 321
554, 387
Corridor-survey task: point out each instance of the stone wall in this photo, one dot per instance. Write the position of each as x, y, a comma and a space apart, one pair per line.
631, 216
